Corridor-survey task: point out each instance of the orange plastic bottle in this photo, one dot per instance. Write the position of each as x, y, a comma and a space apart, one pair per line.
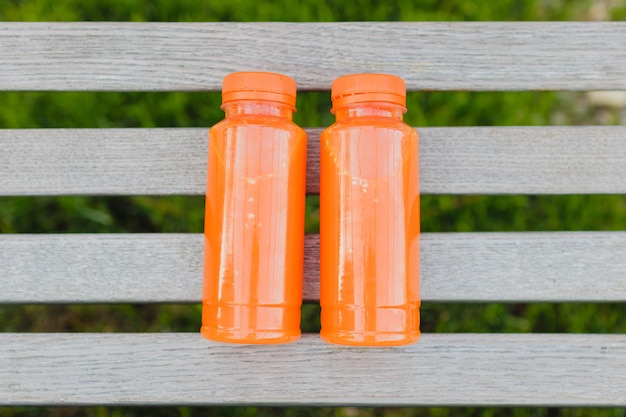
369, 216
254, 222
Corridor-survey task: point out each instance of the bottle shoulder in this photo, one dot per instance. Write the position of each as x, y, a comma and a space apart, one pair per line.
255, 122
263, 128
370, 127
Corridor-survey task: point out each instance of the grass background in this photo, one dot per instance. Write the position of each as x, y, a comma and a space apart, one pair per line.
185, 214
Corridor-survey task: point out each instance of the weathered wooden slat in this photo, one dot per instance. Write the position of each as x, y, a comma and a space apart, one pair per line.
487, 267
196, 56
103, 161
475, 160
441, 369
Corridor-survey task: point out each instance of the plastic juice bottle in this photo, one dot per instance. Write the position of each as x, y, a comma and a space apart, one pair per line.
369, 214
254, 223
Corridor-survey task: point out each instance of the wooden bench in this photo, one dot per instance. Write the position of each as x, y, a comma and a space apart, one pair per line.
183, 368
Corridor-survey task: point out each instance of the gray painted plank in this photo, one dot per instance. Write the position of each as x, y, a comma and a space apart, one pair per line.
103, 161
429, 56
483, 267
441, 369
472, 160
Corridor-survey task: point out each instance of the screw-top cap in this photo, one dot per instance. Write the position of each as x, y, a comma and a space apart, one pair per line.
260, 86
357, 88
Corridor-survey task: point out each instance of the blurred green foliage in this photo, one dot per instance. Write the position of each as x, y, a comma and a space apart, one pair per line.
185, 214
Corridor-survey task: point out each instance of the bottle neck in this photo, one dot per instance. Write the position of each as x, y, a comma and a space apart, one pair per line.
370, 109
258, 108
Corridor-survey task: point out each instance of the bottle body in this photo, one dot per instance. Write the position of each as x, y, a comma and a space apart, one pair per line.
369, 235
254, 225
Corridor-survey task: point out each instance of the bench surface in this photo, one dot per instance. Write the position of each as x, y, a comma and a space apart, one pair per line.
429, 56
441, 369
183, 368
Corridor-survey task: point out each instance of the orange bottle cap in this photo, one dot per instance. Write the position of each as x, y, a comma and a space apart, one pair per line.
358, 88
259, 86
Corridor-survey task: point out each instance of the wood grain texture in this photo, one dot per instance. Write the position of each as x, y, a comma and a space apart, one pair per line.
429, 56
474, 160
487, 267
441, 369
103, 161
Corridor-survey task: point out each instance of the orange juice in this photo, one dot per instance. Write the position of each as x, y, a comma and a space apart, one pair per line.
369, 216
254, 224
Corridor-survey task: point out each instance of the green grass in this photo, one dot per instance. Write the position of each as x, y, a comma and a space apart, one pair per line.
447, 213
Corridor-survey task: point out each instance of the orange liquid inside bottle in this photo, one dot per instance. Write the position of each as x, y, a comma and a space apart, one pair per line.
255, 214
369, 213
